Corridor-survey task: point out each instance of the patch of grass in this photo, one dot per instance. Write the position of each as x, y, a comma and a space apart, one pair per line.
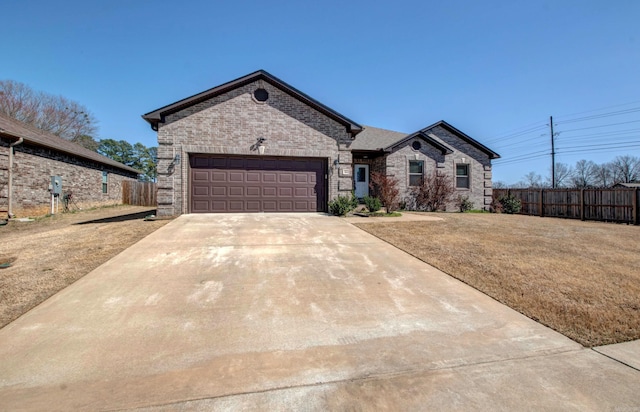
383, 214
579, 278
477, 211
49, 253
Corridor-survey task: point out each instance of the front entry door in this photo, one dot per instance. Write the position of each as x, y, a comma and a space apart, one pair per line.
361, 175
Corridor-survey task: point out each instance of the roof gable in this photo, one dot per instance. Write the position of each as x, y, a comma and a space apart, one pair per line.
464, 137
15, 129
444, 149
157, 116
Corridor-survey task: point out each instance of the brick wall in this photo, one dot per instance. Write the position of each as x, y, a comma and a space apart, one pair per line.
32, 170
231, 123
479, 192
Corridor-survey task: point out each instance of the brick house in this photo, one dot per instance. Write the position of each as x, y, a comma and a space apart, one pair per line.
256, 144
29, 157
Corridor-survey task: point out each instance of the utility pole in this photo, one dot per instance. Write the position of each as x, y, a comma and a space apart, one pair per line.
553, 155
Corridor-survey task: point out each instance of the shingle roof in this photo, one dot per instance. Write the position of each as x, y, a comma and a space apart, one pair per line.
158, 115
373, 138
15, 129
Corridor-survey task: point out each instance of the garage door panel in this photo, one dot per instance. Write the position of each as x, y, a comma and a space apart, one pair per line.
301, 178
270, 206
253, 176
285, 192
236, 191
232, 183
235, 176
301, 192
218, 191
201, 191
200, 206
284, 177
200, 176
285, 205
218, 176
219, 206
269, 177
236, 206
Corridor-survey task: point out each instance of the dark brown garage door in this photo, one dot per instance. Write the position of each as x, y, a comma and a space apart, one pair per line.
222, 184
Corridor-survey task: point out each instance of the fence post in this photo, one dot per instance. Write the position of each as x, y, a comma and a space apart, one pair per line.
581, 204
635, 204
541, 203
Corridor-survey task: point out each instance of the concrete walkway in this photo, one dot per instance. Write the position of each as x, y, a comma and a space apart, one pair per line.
290, 312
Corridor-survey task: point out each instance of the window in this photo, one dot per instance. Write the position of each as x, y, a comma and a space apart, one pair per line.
105, 182
415, 172
416, 145
462, 176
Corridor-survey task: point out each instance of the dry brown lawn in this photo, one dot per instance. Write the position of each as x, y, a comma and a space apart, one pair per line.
579, 278
50, 253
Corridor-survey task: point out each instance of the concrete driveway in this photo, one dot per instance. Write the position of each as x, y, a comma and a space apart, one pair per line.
290, 312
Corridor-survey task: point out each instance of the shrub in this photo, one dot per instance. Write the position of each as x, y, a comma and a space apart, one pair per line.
342, 205
510, 204
386, 189
354, 200
433, 194
372, 203
464, 204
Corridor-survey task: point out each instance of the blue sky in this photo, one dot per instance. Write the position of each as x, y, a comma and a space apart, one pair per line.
492, 69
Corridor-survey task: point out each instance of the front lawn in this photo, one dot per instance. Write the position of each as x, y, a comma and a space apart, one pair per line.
579, 278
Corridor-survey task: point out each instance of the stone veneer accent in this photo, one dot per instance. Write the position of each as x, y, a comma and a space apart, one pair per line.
32, 170
232, 122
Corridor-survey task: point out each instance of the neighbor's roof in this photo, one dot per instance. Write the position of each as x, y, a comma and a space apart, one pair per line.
630, 185
158, 116
375, 139
15, 129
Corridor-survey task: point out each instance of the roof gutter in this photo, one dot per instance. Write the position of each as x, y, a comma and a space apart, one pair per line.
10, 188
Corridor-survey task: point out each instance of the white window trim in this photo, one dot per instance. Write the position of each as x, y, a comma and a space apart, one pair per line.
468, 176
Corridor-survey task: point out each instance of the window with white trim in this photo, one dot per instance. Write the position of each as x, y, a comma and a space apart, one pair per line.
416, 168
105, 182
462, 176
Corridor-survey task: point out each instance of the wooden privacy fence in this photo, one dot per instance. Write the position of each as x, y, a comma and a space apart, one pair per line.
139, 193
609, 205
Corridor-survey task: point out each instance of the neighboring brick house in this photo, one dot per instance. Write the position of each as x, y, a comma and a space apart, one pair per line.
25, 180
256, 144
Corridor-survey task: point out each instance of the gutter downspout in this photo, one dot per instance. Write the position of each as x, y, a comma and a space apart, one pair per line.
10, 191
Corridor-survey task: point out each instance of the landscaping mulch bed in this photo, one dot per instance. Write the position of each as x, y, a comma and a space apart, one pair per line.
579, 278
46, 255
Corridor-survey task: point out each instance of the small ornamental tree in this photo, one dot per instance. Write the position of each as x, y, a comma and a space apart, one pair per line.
386, 189
434, 193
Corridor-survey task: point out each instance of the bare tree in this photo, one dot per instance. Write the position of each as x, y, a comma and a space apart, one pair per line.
55, 114
563, 174
626, 169
531, 179
603, 175
584, 174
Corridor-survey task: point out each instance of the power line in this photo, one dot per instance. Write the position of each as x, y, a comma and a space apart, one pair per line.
603, 125
602, 108
599, 116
